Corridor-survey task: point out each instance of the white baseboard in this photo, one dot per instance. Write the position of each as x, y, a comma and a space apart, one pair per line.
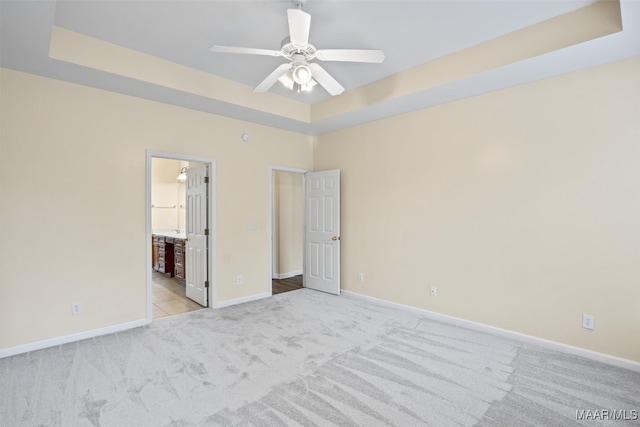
237, 301
288, 275
481, 327
52, 342
553, 345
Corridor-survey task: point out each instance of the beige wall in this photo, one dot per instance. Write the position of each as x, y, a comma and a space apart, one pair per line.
72, 201
167, 195
521, 206
289, 208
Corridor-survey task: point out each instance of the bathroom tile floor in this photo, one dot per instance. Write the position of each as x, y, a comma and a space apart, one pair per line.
169, 297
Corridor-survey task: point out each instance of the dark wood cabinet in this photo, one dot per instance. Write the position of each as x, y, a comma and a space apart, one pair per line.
178, 247
168, 256
168, 252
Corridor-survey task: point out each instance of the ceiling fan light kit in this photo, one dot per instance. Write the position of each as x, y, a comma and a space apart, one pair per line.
287, 81
300, 74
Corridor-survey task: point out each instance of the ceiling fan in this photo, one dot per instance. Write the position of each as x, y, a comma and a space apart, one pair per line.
300, 73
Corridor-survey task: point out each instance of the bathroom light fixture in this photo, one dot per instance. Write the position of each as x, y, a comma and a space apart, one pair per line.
183, 174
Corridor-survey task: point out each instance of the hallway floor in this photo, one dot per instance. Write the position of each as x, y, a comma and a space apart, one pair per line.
285, 285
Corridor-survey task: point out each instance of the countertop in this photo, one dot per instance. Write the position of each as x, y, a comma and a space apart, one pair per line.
171, 233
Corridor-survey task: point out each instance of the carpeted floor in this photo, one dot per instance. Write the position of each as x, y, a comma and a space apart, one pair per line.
312, 359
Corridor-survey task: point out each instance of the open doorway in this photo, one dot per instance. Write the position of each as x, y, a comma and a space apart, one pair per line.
287, 229
180, 234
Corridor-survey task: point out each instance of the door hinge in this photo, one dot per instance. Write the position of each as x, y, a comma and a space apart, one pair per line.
206, 283
206, 231
206, 179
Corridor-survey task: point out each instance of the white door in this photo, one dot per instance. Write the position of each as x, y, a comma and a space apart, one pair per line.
196, 273
322, 231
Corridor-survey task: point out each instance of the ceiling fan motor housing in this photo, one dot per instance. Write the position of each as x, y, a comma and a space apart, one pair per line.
288, 49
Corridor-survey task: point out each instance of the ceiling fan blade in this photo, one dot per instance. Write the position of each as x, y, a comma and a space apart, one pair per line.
350, 55
272, 78
326, 81
245, 50
299, 25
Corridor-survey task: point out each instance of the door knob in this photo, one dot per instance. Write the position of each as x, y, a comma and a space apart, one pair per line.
334, 238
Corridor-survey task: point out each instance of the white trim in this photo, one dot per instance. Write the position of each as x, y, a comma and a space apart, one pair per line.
287, 169
274, 226
272, 169
65, 339
242, 300
211, 164
289, 274
481, 327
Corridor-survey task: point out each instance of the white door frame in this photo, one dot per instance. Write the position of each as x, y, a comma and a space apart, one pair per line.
272, 219
211, 163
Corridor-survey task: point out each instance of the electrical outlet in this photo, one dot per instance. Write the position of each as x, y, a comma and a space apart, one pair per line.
239, 280
588, 321
360, 277
76, 308
434, 291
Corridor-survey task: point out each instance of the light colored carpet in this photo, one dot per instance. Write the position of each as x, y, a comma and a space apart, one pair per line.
312, 359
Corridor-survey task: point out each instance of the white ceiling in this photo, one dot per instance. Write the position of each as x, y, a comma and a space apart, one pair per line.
409, 32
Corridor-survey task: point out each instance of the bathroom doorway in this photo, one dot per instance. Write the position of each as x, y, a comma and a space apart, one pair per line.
180, 261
